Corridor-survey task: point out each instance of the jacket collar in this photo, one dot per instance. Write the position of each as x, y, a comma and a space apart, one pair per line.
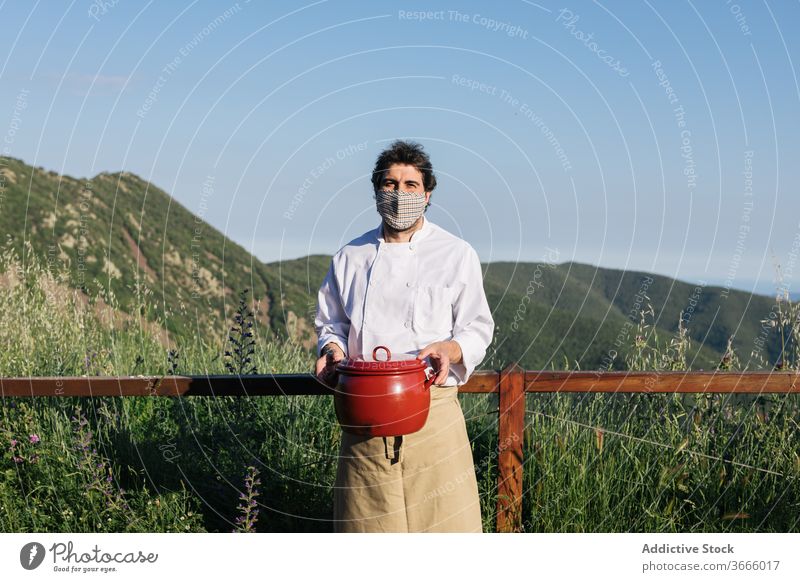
415, 237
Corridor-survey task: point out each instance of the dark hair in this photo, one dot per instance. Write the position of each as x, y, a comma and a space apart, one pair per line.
409, 153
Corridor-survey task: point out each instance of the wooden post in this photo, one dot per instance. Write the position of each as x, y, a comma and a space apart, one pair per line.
509, 445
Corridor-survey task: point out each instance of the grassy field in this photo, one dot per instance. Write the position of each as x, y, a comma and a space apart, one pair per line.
593, 463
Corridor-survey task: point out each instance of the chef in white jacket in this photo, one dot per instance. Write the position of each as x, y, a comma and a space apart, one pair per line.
413, 286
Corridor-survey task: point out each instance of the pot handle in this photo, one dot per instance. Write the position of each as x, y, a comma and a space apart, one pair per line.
429, 380
388, 353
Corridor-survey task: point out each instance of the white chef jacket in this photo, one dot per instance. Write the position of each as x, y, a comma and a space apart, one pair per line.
405, 296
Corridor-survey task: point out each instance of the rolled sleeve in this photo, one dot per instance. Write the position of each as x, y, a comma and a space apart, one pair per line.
331, 321
473, 326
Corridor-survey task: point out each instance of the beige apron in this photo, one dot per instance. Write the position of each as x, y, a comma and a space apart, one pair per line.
420, 482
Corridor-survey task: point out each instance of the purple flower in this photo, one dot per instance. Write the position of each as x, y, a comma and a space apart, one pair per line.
13, 443
34, 438
246, 522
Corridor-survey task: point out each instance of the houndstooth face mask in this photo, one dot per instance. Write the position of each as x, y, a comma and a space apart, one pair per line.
400, 209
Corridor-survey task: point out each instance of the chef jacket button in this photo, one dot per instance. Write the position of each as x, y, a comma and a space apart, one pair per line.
411, 247
408, 324
408, 284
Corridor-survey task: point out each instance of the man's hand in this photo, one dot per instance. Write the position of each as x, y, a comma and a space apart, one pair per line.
326, 364
442, 354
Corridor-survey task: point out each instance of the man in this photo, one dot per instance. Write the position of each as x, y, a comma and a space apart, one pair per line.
414, 287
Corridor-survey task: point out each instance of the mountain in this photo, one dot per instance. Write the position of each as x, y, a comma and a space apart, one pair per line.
119, 233
115, 231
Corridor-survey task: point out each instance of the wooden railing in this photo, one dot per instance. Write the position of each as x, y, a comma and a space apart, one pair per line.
512, 383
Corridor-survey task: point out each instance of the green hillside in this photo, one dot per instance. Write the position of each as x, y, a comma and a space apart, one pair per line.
118, 232
712, 313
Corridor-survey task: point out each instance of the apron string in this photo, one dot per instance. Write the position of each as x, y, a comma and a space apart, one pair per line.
397, 451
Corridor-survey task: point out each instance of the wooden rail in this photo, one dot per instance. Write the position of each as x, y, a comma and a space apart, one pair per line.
512, 383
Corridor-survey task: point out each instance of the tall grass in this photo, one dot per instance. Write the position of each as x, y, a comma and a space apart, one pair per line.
666, 462
592, 462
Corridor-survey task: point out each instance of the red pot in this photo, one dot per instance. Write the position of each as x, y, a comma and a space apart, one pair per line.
382, 398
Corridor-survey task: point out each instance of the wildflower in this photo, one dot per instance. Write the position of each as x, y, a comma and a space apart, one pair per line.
95, 467
34, 438
246, 522
238, 358
14, 443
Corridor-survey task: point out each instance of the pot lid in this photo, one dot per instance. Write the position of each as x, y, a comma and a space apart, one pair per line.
387, 364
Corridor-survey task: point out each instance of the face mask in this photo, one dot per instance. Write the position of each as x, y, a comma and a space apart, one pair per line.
400, 209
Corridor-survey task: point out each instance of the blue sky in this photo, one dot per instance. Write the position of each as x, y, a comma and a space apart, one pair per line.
654, 136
